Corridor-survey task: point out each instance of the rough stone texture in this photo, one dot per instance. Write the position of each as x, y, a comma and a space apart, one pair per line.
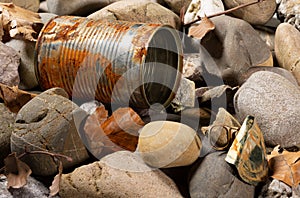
289, 12
121, 174
76, 7
47, 123
138, 11
32, 5
235, 46
176, 5
215, 178
275, 103
192, 68
9, 64
185, 95
287, 48
165, 144
33, 189
7, 120
276, 189
257, 14
25, 50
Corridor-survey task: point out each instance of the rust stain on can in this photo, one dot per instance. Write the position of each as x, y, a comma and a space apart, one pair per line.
98, 55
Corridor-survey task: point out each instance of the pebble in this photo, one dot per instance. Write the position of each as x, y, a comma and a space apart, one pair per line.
25, 50
165, 144
257, 14
275, 103
121, 174
138, 11
7, 120
235, 47
287, 48
176, 5
213, 177
9, 65
47, 123
185, 95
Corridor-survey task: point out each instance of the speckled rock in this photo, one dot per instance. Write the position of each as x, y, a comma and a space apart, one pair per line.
185, 95
216, 178
257, 14
287, 48
121, 174
138, 11
164, 144
7, 120
9, 65
275, 103
25, 50
47, 123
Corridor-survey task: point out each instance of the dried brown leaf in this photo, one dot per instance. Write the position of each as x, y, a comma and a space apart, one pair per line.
19, 22
14, 98
285, 166
55, 186
101, 114
16, 171
204, 27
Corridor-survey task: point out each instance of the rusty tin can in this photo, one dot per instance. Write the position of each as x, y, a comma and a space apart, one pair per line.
110, 61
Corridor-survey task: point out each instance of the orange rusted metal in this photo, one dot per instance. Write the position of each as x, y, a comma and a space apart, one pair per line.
113, 62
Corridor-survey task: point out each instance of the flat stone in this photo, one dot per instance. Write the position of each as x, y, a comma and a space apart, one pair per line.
176, 5
235, 46
47, 122
287, 48
25, 50
257, 14
138, 11
7, 120
216, 178
76, 7
121, 174
275, 103
9, 65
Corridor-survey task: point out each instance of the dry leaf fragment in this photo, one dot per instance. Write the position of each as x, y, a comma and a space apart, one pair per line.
55, 186
204, 27
14, 98
16, 171
285, 166
19, 22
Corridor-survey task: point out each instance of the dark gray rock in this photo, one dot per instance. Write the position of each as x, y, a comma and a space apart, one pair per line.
9, 65
214, 177
235, 46
47, 123
275, 102
7, 120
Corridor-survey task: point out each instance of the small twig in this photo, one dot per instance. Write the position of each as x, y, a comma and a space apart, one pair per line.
55, 155
224, 12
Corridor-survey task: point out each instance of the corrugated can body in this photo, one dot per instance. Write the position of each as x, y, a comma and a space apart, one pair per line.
113, 62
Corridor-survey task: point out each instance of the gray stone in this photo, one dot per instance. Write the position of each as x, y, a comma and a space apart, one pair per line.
287, 48
121, 174
192, 68
76, 7
45, 17
9, 65
257, 14
25, 50
235, 46
216, 178
276, 189
185, 95
7, 120
33, 188
176, 5
47, 122
32, 5
138, 11
275, 102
